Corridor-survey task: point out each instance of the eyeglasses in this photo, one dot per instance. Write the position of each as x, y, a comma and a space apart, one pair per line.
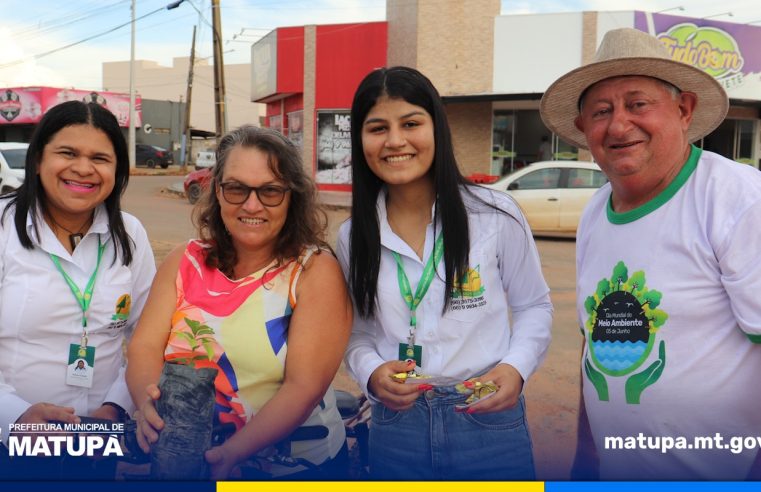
269, 195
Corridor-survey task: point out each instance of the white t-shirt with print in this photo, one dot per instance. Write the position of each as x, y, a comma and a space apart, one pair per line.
669, 300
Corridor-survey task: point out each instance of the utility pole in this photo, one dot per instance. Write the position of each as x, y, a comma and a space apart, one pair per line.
131, 129
219, 71
186, 133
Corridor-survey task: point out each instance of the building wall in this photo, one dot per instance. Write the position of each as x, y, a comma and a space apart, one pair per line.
452, 43
165, 118
310, 75
471, 125
154, 81
531, 51
345, 53
401, 16
290, 59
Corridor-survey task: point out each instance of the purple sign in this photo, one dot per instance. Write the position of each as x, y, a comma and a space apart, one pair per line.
725, 50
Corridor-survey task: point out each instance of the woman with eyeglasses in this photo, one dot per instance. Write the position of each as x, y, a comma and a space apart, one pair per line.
260, 281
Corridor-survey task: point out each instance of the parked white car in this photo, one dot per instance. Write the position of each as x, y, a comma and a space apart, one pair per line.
12, 161
553, 194
205, 158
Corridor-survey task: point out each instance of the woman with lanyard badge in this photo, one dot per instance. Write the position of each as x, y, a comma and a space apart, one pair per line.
435, 264
74, 274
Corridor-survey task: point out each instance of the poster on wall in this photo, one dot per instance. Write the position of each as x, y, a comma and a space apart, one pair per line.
296, 128
334, 147
24, 105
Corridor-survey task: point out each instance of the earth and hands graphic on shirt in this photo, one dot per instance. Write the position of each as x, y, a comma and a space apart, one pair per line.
623, 321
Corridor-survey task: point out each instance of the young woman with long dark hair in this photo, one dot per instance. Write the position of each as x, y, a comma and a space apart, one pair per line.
446, 282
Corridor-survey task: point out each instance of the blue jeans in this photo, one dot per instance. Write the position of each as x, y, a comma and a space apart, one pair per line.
433, 442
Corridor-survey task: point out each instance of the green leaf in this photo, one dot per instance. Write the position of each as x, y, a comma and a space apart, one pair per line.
204, 330
188, 338
193, 325
209, 346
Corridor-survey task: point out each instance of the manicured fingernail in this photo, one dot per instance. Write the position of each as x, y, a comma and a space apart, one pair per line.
469, 411
424, 387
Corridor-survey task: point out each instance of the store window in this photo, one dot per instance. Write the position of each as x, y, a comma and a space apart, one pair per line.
744, 145
276, 122
296, 128
733, 139
519, 138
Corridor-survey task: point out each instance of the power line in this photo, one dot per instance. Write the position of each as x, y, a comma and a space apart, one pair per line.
89, 38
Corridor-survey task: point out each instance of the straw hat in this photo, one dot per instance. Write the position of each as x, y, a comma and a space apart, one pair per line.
631, 52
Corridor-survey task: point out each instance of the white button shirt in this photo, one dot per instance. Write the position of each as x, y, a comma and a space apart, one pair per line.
476, 333
40, 317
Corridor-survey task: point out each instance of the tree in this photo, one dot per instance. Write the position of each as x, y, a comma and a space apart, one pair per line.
620, 274
603, 289
637, 281
652, 299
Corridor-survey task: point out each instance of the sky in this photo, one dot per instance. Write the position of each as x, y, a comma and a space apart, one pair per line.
63, 44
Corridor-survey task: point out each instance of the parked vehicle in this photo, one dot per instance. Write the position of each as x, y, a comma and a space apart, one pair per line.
12, 162
152, 156
205, 158
553, 194
196, 182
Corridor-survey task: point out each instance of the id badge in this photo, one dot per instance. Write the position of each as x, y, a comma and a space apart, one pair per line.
81, 366
416, 353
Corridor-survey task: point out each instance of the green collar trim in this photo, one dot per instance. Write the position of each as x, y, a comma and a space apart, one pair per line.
754, 338
663, 197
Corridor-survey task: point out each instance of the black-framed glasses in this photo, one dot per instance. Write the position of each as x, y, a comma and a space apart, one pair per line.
269, 195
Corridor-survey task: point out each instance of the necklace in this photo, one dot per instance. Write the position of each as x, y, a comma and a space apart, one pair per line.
75, 237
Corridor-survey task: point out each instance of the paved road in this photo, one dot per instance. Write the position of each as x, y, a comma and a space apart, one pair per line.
166, 217
551, 394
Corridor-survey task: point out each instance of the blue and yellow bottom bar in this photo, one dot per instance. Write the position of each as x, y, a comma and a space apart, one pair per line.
147, 486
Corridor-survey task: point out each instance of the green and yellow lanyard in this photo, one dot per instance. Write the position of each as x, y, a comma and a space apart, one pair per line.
412, 302
83, 299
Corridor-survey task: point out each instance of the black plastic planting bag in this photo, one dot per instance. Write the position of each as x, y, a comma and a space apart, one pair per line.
187, 407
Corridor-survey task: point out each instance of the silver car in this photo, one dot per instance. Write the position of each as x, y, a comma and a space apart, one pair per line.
12, 161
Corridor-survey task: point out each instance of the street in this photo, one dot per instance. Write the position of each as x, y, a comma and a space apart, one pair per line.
551, 394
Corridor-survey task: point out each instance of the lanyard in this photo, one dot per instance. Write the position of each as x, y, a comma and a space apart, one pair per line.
422, 287
82, 299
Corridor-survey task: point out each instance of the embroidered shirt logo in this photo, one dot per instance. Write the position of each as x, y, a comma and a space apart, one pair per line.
123, 305
468, 292
469, 285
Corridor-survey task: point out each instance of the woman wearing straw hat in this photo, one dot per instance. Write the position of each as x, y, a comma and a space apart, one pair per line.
667, 270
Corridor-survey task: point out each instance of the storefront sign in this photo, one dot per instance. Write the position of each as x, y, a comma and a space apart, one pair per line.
25, 105
334, 147
727, 51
